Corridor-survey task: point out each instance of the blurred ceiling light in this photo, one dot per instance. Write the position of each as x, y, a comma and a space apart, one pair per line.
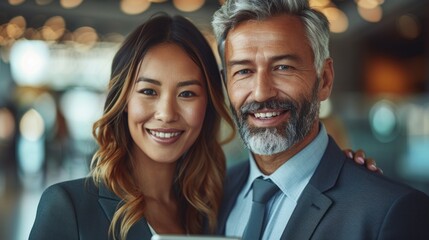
320, 3
16, 2
338, 19
32, 125
54, 28
188, 5
43, 2
81, 108
29, 62
16, 27
7, 126
408, 26
384, 121
70, 3
85, 36
133, 7
371, 15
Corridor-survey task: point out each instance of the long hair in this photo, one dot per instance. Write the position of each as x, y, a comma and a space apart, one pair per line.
200, 172
316, 24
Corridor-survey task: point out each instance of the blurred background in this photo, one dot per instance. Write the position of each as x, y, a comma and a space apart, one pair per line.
55, 58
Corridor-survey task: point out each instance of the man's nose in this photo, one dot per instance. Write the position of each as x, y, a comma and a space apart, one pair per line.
264, 87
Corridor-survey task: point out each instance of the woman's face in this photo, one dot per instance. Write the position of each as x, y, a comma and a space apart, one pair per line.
167, 104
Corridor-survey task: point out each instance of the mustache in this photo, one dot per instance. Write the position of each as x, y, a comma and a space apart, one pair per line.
277, 104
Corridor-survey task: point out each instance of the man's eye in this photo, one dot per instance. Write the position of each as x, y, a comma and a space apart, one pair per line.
148, 92
283, 67
187, 94
242, 72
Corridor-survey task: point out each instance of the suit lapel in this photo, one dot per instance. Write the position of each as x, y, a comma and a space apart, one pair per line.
109, 203
234, 183
313, 203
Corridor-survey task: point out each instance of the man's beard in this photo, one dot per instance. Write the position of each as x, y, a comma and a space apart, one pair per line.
272, 140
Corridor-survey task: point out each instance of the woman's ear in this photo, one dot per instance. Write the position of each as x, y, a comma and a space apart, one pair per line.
326, 80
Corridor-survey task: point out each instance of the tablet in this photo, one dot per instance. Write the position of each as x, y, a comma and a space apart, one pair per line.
190, 237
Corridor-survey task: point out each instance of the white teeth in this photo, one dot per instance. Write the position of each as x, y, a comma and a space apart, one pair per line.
267, 114
164, 134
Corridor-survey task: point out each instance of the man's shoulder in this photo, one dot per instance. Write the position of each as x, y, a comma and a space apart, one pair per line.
364, 182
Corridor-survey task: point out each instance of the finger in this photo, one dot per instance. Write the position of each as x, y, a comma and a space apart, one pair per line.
348, 152
371, 165
359, 157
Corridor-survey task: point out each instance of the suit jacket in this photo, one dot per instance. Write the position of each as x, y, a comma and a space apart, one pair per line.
77, 209
345, 201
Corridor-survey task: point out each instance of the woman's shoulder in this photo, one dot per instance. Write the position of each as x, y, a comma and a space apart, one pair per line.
77, 188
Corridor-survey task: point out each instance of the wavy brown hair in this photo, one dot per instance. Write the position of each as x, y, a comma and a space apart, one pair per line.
200, 172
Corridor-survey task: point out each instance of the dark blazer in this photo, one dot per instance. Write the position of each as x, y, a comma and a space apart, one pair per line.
345, 201
79, 210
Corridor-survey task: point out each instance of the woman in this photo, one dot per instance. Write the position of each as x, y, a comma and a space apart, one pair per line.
153, 157
156, 170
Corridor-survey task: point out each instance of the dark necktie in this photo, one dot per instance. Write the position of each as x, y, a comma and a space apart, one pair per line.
263, 190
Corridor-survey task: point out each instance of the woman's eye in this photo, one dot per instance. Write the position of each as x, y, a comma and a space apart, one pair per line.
187, 94
148, 92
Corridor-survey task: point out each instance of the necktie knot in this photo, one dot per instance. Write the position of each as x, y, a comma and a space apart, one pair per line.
263, 190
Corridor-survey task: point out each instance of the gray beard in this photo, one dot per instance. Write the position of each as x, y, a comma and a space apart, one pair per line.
269, 141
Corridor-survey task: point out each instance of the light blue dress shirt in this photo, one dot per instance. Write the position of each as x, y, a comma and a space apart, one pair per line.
291, 178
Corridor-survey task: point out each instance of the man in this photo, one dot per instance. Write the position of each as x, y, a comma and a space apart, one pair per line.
277, 70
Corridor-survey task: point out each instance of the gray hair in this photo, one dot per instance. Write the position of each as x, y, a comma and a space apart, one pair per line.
316, 24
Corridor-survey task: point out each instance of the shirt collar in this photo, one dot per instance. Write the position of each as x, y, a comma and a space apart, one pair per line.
293, 175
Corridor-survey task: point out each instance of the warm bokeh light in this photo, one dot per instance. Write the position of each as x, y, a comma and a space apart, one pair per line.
133, 7
70, 3
371, 14
338, 19
320, 3
7, 126
16, 2
16, 27
54, 28
86, 36
188, 5
32, 126
408, 26
368, 4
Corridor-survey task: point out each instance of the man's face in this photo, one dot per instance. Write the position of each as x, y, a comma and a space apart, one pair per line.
272, 83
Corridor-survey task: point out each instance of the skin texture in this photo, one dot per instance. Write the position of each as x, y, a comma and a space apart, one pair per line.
268, 60
165, 115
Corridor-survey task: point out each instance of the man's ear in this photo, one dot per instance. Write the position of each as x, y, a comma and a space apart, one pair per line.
326, 80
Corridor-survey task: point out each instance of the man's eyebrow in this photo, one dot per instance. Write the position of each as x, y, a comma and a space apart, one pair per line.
149, 80
292, 57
